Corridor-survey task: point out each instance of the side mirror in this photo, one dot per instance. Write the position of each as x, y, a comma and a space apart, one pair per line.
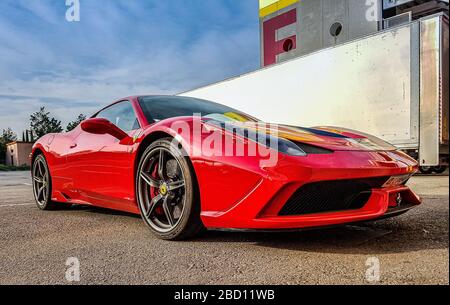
103, 126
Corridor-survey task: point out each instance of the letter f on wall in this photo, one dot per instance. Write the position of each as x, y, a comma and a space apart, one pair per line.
273, 47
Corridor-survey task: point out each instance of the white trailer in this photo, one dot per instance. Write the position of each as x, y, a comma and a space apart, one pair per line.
392, 84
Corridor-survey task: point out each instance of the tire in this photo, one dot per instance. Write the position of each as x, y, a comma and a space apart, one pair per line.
440, 169
426, 170
42, 184
44, 202
167, 192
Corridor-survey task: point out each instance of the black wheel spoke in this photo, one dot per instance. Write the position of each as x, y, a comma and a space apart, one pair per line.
175, 185
150, 180
41, 172
168, 212
40, 191
161, 164
45, 194
153, 204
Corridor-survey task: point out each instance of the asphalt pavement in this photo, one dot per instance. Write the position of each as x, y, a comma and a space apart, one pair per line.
109, 247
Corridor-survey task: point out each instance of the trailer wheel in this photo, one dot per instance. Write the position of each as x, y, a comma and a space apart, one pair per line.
426, 170
440, 169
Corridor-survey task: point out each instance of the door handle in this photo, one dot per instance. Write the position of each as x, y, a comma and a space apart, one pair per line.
73, 145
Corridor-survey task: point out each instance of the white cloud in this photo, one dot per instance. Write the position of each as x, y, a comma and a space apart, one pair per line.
118, 49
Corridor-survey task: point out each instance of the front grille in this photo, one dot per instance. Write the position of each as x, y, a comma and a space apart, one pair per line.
331, 196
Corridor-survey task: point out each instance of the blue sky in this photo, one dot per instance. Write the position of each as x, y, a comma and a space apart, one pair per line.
118, 48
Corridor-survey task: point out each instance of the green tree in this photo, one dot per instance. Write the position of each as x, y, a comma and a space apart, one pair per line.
7, 136
72, 125
42, 123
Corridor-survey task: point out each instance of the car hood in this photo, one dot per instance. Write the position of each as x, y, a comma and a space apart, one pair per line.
333, 138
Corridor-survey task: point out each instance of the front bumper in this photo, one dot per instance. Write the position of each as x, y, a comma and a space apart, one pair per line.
260, 208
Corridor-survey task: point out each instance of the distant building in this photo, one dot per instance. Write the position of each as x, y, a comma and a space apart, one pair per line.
293, 28
17, 153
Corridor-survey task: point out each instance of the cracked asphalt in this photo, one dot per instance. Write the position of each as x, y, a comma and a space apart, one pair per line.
117, 248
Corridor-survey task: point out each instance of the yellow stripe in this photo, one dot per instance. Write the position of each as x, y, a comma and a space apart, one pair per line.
264, 3
235, 116
274, 6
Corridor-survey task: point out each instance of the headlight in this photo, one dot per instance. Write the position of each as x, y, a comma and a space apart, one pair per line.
282, 145
397, 180
286, 147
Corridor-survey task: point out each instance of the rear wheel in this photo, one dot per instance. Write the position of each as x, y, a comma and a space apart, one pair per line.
440, 169
166, 192
42, 184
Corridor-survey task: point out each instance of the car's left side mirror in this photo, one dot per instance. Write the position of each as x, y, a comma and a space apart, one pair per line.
103, 126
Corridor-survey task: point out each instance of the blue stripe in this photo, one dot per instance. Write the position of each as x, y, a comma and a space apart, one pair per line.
324, 133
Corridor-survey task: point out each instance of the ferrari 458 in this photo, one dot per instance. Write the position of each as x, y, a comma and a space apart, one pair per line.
186, 165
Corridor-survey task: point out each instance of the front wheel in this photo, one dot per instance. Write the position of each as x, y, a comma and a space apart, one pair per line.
426, 170
166, 192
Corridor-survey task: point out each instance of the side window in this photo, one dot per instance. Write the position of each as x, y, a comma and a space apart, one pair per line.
122, 115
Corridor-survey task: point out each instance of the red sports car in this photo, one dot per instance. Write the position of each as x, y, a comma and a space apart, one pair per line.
187, 164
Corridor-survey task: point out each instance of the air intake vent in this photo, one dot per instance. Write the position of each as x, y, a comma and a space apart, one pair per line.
313, 150
331, 196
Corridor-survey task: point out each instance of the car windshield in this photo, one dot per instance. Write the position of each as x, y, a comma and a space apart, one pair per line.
158, 108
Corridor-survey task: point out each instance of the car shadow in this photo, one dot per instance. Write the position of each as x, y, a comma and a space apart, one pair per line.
421, 229
414, 231
98, 210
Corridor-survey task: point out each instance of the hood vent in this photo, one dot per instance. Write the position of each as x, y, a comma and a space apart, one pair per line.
313, 150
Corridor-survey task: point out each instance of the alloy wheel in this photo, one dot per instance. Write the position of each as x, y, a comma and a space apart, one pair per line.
41, 185
161, 188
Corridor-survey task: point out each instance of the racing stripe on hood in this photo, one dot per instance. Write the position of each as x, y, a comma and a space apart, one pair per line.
320, 132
